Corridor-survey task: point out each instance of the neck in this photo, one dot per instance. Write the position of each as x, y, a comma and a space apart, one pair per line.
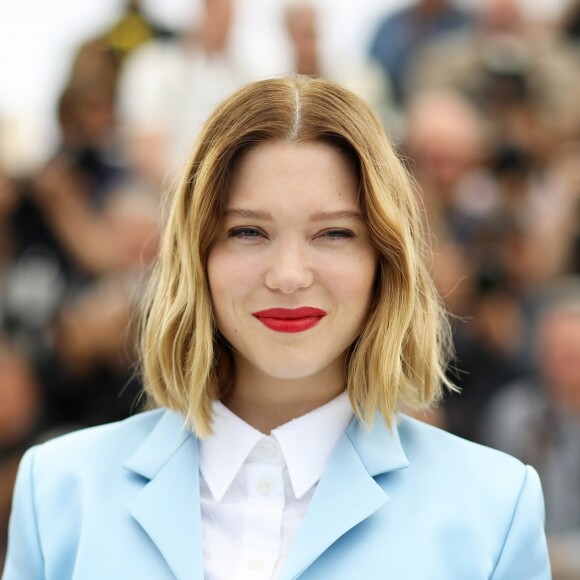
265, 402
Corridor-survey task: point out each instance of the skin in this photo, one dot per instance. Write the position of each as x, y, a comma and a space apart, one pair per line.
292, 236
559, 358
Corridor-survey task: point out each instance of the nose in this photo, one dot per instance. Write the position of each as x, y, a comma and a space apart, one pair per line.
289, 268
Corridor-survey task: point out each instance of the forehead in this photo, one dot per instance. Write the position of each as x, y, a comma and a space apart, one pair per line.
281, 171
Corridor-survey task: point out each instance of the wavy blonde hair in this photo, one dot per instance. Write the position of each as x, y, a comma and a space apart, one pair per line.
403, 349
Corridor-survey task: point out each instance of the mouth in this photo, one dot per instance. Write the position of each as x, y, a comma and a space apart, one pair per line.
290, 319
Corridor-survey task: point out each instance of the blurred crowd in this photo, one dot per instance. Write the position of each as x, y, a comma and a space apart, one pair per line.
484, 106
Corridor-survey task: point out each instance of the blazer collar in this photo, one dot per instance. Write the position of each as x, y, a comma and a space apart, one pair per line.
347, 494
167, 507
379, 447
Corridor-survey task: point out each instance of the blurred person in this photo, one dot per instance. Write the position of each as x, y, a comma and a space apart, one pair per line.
72, 234
8, 470
569, 33
491, 349
301, 19
92, 376
76, 331
571, 19
538, 418
401, 35
73, 188
542, 200
93, 327
469, 180
447, 144
8, 204
21, 419
525, 84
568, 171
32, 277
289, 314
89, 373
496, 346
570, 24
521, 76
21, 399
169, 87
363, 78
66, 234
132, 29
60, 193
94, 69
133, 217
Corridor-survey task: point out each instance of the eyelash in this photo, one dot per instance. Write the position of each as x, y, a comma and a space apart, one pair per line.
339, 234
244, 233
249, 233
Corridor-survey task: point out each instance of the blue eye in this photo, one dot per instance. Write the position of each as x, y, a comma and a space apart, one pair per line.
244, 233
338, 234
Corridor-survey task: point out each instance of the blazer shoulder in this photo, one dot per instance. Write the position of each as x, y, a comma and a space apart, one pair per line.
420, 440
492, 499
99, 446
455, 464
76, 488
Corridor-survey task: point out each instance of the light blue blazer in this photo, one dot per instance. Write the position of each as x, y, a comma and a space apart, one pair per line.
121, 501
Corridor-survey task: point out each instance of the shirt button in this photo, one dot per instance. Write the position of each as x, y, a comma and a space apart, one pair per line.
264, 487
255, 564
269, 448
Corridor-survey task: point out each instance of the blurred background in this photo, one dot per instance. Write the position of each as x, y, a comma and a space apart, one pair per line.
101, 100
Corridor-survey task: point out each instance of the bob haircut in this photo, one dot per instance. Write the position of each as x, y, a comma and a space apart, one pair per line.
401, 353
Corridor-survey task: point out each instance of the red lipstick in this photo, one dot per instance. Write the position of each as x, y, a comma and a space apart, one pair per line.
290, 319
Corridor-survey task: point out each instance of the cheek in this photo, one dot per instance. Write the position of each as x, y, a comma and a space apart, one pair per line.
362, 273
231, 281
354, 282
217, 280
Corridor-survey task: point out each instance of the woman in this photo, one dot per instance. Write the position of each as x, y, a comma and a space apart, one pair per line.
289, 314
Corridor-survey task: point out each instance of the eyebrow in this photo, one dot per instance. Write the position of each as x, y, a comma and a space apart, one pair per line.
248, 213
333, 215
317, 217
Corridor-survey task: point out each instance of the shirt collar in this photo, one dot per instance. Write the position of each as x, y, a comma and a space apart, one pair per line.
306, 444
308, 441
222, 454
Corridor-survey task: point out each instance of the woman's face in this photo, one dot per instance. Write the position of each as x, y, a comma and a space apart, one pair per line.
291, 275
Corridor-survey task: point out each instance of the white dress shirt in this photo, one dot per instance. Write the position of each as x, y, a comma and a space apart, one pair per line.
255, 488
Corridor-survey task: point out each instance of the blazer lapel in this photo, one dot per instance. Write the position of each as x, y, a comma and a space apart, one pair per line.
168, 505
347, 493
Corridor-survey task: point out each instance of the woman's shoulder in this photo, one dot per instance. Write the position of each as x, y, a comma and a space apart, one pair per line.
95, 448
462, 467
487, 501
423, 442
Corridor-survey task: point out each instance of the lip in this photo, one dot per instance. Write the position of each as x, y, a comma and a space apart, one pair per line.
290, 319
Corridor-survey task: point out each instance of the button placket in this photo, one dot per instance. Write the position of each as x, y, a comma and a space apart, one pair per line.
262, 531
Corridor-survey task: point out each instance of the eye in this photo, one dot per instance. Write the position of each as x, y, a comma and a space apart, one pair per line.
338, 234
245, 233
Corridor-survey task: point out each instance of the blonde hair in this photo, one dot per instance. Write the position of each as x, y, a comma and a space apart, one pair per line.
402, 351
